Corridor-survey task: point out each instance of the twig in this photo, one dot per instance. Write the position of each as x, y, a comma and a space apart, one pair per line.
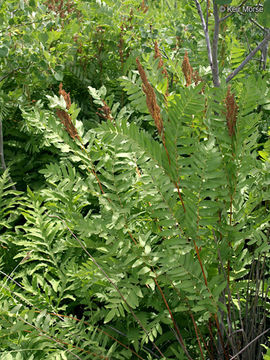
207, 39
226, 17
215, 47
10, 278
255, 22
211, 52
207, 15
250, 56
244, 348
12, 71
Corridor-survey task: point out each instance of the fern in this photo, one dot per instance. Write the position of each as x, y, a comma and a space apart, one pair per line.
140, 234
132, 85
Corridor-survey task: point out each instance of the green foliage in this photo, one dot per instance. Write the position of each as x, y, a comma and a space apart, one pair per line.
129, 242
111, 207
267, 355
8, 216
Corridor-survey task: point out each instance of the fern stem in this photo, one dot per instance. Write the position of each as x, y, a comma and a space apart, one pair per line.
213, 343
109, 280
91, 170
251, 342
197, 334
200, 261
180, 339
215, 315
197, 331
249, 57
59, 342
164, 144
131, 236
206, 283
98, 329
180, 197
221, 337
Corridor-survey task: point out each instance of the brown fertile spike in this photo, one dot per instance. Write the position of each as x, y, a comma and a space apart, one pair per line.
66, 120
196, 77
65, 96
189, 73
151, 101
187, 69
158, 55
64, 116
231, 111
144, 8
106, 111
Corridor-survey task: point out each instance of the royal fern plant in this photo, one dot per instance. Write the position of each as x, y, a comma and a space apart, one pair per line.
143, 244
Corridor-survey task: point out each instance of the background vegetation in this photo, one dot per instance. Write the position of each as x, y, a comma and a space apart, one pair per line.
134, 189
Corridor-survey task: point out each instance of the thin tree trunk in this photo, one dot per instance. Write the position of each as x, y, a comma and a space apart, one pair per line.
215, 73
212, 51
206, 33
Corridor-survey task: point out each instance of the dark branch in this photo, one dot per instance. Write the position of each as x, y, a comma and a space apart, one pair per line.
249, 57
206, 34
215, 48
227, 16
12, 71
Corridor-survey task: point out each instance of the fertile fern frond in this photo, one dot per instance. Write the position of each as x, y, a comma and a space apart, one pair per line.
151, 224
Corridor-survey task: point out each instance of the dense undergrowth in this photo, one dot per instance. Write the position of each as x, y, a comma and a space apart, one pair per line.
134, 215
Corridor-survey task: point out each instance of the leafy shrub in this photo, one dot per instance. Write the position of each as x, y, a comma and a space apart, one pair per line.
140, 246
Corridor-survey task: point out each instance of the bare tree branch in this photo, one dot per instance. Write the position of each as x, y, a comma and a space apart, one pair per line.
212, 52
249, 57
12, 71
215, 47
226, 17
244, 348
259, 26
207, 16
206, 34
263, 59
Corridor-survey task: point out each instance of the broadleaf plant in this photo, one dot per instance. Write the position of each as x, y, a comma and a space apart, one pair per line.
149, 237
